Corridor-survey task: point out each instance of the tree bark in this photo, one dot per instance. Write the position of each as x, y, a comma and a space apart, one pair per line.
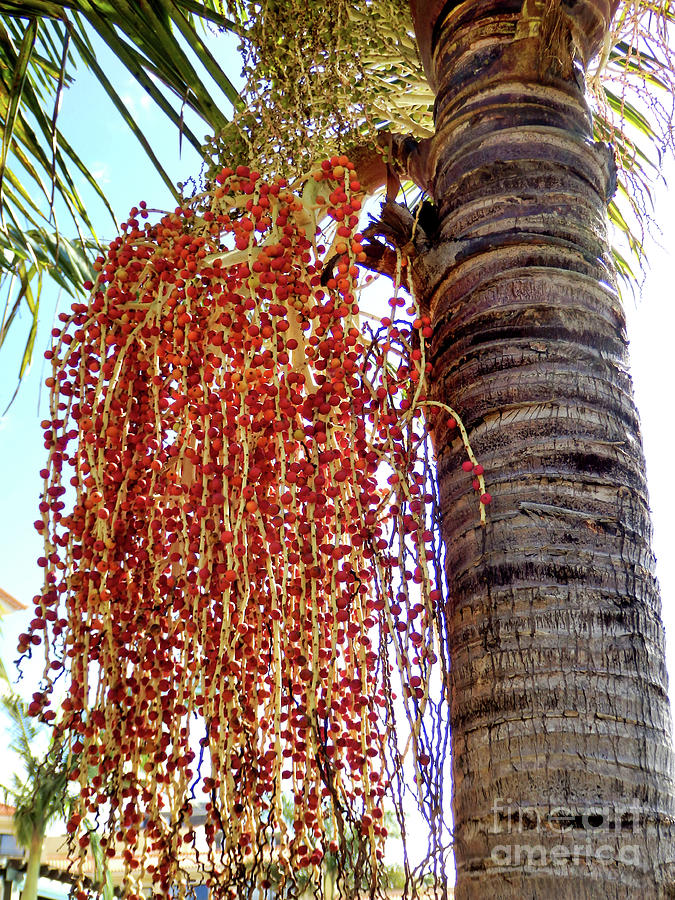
561, 733
30, 885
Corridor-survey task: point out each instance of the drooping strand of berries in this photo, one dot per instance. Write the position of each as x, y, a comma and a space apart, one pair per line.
247, 552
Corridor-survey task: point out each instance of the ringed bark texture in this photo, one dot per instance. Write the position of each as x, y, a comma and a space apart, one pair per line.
561, 733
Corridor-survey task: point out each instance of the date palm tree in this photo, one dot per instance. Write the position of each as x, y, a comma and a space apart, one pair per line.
561, 730
41, 795
563, 780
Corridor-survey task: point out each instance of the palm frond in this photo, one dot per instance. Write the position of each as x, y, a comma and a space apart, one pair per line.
42, 44
633, 86
22, 728
41, 794
27, 257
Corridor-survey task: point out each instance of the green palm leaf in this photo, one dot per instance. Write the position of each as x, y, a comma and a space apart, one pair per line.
41, 794
42, 43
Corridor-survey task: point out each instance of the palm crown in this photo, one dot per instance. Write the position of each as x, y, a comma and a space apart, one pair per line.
346, 69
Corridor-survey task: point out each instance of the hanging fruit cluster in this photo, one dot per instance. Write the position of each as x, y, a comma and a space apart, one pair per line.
238, 543
347, 67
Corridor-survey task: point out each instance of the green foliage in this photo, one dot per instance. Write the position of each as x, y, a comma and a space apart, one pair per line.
322, 77
41, 794
102, 876
42, 43
633, 87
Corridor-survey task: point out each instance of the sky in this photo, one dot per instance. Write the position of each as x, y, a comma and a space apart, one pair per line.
116, 159
113, 154
651, 326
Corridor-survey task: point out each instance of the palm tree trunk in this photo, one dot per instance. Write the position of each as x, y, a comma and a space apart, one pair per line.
30, 885
561, 732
